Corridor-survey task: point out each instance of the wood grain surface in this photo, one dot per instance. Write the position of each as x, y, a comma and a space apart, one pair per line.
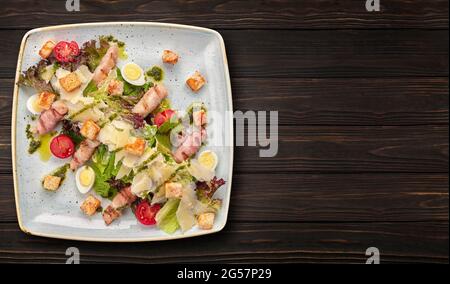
418, 242
362, 161
232, 14
318, 54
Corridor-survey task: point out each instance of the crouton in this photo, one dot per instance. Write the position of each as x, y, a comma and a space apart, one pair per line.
70, 82
45, 100
136, 147
169, 57
51, 183
90, 205
90, 129
47, 49
206, 220
196, 81
174, 190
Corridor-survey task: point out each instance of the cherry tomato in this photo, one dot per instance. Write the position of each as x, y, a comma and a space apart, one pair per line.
66, 51
62, 146
163, 116
145, 213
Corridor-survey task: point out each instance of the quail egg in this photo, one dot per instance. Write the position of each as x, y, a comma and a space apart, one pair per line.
84, 179
133, 74
32, 105
208, 159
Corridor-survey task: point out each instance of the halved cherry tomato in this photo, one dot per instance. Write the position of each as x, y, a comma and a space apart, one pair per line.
62, 146
145, 213
66, 51
163, 116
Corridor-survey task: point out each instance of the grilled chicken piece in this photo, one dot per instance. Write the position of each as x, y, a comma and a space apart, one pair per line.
150, 101
115, 88
110, 214
83, 153
122, 200
107, 63
190, 145
50, 118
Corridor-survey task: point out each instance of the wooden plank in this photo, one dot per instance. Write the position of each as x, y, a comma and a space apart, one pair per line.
351, 149
319, 198
379, 101
332, 149
307, 14
318, 54
250, 243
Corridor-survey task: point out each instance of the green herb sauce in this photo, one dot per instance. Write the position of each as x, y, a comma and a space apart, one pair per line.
34, 143
60, 172
156, 73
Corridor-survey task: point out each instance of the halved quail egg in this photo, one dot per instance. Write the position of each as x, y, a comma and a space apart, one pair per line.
84, 179
32, 105
133, 74
208, 159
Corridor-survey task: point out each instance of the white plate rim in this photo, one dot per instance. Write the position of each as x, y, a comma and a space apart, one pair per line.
14, 123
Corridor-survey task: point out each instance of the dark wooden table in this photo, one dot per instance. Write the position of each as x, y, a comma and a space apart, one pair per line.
363, 150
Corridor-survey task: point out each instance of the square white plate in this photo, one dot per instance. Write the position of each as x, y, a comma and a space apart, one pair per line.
57, 214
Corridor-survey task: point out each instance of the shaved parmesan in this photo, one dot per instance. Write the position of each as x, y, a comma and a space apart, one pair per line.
123, 172
141, 184
200, 172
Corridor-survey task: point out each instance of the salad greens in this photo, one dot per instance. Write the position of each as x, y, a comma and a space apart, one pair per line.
131, 90
32, 77
167, 218
104, 168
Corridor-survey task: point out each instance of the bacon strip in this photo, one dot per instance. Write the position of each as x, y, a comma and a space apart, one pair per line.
50, 118
83, 153
150, 101
122, 200
190, 145
107, 63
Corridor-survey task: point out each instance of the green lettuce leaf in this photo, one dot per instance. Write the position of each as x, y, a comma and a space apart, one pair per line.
131, 90
168, 125
103, 166
149, 132
90, 88
166, 218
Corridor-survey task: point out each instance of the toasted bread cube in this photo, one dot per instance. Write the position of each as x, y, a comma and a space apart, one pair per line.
45, 100
90, 205
52, 183
70, 82
90, 129
169, 57
196, 81
174, 190
206, 220
47, 49
136, 147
